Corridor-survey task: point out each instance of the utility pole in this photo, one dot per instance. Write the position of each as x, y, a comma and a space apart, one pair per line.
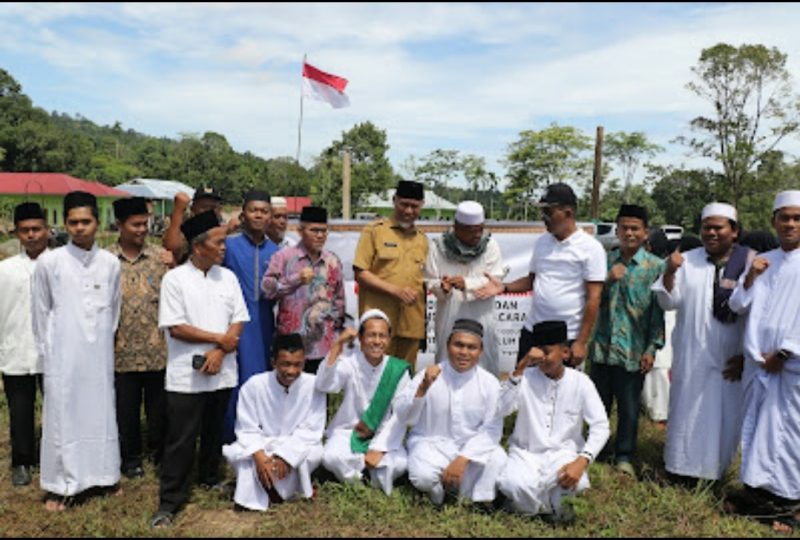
346, 184
598, 171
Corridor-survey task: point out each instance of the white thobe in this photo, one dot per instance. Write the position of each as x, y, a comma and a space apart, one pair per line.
285, 422
76, 303
704, 409
770, 430
18, 353
548, 435
459, 304
655, 392
359, 379
457, 416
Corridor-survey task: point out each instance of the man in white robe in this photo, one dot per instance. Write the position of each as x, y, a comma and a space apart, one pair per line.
548, 456
704, 402
280, 419
456, 268
19, 359
770, 293
369, 378
454, 444
76, 304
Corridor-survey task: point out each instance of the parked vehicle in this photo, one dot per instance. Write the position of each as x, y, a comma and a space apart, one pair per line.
607, 235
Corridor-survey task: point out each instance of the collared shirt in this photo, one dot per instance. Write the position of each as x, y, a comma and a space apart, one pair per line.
561, 270
398, 256
209, 301
316, 310
552, 413
18, 355
630, 323
139, 344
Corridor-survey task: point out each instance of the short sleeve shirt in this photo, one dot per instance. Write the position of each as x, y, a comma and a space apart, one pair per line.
398, 256
210, 302
561, 271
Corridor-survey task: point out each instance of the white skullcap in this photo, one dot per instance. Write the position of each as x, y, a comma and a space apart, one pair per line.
469, 213
278, 201
717, 209
786, 198
373, 314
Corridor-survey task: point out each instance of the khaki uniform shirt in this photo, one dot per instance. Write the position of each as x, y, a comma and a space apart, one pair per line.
398, 256
139, 344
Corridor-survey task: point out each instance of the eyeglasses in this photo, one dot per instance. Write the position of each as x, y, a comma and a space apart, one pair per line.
317, 231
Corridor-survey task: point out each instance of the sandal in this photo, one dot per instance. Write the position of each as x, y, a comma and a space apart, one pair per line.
789, 521
162, 519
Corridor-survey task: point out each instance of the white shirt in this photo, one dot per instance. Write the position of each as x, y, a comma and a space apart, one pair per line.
210, 302
288, 421
359, 379
561, 270
18, 354
458, 407
552, 413
459, 304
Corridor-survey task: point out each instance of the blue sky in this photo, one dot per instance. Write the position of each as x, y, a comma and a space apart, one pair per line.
467, 77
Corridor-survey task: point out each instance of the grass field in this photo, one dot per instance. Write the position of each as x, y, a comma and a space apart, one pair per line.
615, 506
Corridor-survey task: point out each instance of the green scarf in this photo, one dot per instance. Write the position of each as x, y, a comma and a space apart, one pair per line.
459, 252
380, 401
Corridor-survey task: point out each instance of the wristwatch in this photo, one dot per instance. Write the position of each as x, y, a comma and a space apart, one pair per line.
783, 354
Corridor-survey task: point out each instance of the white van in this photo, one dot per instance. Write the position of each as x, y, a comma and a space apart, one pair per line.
673, 232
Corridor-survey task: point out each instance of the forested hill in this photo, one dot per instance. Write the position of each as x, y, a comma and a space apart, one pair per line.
33, 140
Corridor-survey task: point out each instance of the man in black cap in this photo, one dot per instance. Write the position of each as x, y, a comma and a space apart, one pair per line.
566, 275
76, 303
247, 254
140, 352
19, 362
203, 310
547, 455
629, 331
388, 266
454, 444
205, 198
308, 282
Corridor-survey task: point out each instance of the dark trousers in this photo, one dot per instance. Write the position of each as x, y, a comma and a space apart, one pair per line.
21, 395
615, 382
190, 416
130, 388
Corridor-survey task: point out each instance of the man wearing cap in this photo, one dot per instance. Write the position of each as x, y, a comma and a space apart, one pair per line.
308, 282
20, 363
548, 456
457, 263
365, 433
247, 254
769, 292
140, 351
76, 303
388, 266
279, 424
566, 273
276, 230
202, 310
454, 444
705, 396
629, 331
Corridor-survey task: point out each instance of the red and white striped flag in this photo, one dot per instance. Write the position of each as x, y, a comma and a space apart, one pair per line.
324, 86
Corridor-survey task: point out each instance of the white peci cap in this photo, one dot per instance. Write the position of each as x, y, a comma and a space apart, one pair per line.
469, 213
716, 209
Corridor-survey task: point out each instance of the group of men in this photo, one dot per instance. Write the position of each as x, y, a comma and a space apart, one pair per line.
190, 329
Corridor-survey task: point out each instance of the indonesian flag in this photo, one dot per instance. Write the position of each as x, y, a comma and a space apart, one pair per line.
325, 87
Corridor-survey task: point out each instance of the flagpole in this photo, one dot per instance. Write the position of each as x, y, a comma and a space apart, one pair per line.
300, 123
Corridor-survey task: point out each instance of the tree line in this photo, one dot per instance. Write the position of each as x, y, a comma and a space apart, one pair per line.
752, 109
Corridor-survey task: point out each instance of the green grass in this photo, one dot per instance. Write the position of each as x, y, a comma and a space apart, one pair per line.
615, 506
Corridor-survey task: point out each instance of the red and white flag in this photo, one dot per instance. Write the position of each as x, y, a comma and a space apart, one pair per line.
324, 86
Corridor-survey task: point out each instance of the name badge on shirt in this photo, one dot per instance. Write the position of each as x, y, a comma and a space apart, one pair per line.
390, 244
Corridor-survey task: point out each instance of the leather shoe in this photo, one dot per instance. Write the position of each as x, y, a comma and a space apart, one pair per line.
134, 472
21, 475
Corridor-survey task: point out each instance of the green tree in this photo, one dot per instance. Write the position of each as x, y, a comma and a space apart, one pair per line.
681, 194
754, 109
628, 150
539, 158
370, 170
